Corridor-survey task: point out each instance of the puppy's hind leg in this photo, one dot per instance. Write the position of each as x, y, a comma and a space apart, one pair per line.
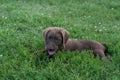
99, 52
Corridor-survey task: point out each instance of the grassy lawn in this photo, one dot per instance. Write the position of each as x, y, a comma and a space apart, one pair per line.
21, 26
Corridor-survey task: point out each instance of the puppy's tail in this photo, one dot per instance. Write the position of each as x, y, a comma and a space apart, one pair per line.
104, 44
107, 52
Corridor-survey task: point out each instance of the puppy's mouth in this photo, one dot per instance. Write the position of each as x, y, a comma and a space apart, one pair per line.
51, 52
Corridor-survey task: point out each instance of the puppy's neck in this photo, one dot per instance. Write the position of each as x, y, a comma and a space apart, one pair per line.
68, 43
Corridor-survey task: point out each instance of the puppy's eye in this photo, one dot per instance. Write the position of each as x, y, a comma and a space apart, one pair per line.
59, 39
50, 37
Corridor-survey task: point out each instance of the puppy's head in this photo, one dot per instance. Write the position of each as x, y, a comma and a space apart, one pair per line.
55, 39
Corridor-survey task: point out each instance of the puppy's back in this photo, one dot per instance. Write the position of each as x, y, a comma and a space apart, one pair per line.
83, 45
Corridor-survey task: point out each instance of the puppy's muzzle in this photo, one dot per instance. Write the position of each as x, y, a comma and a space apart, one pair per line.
51, 49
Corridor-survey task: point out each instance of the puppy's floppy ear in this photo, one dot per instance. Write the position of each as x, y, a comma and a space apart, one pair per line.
65, 35
45, 33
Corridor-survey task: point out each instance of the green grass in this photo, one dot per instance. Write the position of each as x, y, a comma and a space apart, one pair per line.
21, 26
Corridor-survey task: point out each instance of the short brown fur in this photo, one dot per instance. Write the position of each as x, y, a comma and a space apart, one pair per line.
68, 44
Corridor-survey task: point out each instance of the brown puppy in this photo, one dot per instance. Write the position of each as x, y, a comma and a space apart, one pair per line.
58, 39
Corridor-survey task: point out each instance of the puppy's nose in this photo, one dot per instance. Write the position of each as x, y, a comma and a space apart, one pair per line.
51, 49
